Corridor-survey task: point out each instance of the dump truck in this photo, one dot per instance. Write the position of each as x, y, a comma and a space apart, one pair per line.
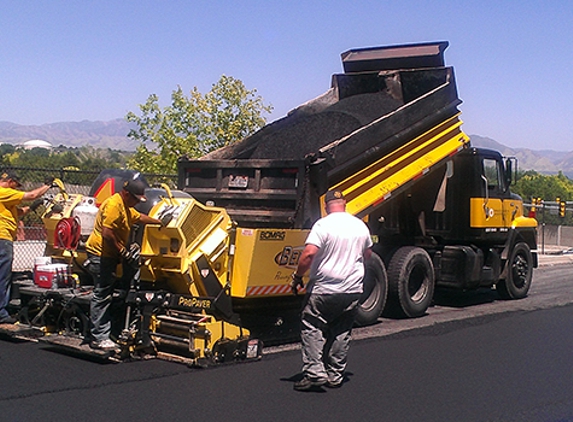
388, 135
213, 280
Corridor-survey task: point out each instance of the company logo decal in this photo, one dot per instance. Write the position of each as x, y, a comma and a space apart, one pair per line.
289, 256
272, 235
194, 302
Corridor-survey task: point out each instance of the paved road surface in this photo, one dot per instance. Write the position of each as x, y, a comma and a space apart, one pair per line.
509, 361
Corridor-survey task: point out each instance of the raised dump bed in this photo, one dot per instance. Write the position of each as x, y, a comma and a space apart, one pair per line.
388, 110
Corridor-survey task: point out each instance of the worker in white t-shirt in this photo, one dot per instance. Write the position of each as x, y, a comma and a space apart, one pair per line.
334, 252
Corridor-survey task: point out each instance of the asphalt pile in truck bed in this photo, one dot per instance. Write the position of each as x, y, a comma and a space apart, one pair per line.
303, 132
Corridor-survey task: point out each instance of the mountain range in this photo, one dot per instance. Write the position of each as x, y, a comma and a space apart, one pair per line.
113, 135
543, 161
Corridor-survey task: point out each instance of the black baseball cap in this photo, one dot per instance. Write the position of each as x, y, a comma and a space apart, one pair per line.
10, 175
136, 187
333, 195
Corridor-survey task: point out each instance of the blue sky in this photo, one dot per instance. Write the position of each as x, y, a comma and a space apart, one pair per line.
97, 60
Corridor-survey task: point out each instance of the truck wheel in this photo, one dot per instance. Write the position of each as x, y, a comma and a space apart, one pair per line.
519, 270
411, 281
375, 292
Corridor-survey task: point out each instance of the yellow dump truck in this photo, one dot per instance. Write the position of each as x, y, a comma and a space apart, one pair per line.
215, 278
388, 135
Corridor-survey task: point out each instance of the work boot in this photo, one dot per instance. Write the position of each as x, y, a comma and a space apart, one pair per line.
333, 384
308, 384
106, 344
8, 320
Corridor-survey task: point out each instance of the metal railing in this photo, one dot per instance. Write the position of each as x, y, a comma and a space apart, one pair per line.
555, 222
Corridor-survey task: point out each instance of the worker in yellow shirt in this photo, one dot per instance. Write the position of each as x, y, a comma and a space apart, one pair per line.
107, 247
10, 211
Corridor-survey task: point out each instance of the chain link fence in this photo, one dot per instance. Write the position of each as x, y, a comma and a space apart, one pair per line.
31, 236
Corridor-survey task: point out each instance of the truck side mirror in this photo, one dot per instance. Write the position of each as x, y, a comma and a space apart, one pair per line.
508, 172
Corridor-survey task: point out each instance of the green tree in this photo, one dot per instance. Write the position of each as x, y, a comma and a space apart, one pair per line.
85, 158
531, 185
5, 151
33, 158
548, 187
195, 125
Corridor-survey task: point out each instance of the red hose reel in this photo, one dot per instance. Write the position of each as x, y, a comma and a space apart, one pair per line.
67, 234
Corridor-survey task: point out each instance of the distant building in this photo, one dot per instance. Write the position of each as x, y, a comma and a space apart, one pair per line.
36, 143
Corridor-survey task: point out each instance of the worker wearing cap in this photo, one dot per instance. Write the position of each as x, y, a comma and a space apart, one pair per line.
10, 212
334, 252
107, 247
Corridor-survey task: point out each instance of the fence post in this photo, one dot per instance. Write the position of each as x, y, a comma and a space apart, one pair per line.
543, 229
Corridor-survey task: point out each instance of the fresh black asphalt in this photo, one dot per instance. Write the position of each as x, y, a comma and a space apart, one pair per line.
505, 367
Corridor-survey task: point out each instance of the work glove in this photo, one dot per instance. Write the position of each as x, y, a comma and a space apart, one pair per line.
296, 283
37, 202
131, 255
50, 182
166, 219
135, 252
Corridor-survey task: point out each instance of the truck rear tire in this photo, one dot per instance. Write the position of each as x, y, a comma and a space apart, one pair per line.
518, 274
411, 282
375, 292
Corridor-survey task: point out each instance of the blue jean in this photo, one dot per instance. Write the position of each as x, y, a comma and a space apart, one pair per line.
6, 257
102, 270
326, 327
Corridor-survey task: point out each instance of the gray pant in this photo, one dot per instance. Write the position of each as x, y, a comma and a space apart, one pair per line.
326, 326
103, 271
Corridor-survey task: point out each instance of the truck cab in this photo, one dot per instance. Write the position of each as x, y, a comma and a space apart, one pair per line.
469, 201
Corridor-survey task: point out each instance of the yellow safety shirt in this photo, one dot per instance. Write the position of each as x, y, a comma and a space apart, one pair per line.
115, 215
9, 201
